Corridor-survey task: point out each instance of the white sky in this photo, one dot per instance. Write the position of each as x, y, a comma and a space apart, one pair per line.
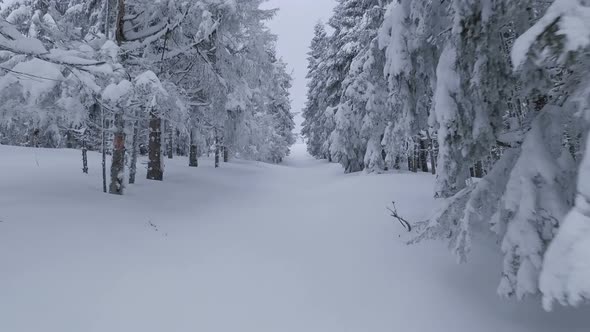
294, 26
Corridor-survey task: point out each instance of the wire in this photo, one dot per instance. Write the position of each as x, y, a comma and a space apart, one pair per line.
29, 75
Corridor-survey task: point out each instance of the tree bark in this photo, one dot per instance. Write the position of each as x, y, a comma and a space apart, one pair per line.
208, 143
85, 152
118, 163
225, 154
412, 167
423, 153
416, 155
34, 143
431, 152
70, 140
216, 151
180, 147
120, 32
193, 159
478, 169
107, 19
104, 149
134, 153
170, 145
155, 171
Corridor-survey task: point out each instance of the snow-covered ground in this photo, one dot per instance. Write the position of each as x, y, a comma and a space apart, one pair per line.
249, 247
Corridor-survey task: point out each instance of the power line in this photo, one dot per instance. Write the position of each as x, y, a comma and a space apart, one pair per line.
16, 72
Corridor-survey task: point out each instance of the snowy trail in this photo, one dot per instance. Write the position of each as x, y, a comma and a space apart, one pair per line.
248, 247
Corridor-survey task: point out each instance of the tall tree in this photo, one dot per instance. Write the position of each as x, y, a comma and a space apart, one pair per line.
316, 98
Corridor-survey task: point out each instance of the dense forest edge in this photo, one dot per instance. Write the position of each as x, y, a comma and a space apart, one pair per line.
492, 97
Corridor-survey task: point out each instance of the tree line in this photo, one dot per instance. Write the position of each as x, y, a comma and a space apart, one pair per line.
130, 77
493, 89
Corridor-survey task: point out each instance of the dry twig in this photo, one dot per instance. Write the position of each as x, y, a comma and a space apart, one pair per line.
404, 222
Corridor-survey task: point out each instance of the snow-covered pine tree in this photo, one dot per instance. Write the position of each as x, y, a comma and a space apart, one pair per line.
551, 43
202, 53
360, 95
524, 118
64, 111
344, 47
412, 35
316, 94
279, 108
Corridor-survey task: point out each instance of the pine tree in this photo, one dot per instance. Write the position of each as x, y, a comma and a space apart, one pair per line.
347, 144
548, 45
316, 98
481, 110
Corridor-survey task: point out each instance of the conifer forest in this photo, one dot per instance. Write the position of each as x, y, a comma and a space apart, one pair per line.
295, 165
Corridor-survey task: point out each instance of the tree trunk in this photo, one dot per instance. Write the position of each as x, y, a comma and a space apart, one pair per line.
107, 16
193, 160
120, 34
225, 154
216, 151
412, 156
180, 148
423, 155
416, 155
208, 143
34, 143
155, 171
84, 152
431, 152
478, 169
104, 150
118, 163
134, 153
70, 140
170, 145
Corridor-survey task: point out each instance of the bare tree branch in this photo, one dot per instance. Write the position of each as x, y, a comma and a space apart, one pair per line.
404, 222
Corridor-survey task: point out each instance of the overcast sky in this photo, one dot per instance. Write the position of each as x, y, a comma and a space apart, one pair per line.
294, 26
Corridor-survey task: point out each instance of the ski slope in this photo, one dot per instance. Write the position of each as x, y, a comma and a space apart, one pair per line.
249, 247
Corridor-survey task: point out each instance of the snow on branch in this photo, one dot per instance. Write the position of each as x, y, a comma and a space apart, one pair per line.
13, 41
572, 20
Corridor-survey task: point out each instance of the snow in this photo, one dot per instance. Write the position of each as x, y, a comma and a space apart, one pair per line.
17, 14
87, 80
247, 247
115, 92
26, 73
573, 20
12, 40
110, 49
149, 82
75, 9
451, 170
566, 271
7, 3
393, 37
69, 57
539, 193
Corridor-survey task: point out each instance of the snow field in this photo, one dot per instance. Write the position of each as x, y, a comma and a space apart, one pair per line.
247, 247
